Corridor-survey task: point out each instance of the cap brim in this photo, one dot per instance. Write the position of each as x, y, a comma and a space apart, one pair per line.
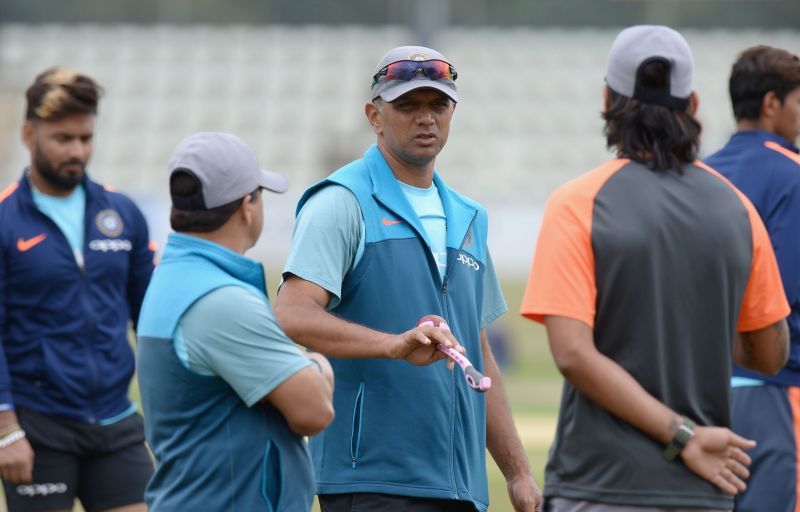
273, 182
392, 93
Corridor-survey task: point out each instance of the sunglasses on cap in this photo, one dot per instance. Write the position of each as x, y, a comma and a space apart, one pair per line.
407, 69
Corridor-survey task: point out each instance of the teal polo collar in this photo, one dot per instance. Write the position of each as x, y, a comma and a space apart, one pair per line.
387, 191
181, 246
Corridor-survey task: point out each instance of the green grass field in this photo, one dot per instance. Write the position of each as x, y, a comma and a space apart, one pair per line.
533, 385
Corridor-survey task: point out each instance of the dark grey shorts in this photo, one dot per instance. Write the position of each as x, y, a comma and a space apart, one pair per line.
371, 502
103, 466
568, 505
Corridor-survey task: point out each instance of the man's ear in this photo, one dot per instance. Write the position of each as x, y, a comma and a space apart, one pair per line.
770, 104
605, 98
29, 134
694, 103
245, 210
372, 112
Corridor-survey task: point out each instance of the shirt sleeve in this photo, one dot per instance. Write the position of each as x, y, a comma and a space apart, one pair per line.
232, 333
327, 234
562, 278
764, 301
494, 304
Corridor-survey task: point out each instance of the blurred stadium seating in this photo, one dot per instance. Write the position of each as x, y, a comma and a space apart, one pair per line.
527, 121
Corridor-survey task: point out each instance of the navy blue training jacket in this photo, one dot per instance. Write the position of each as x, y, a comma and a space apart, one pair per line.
64, 329
766, 168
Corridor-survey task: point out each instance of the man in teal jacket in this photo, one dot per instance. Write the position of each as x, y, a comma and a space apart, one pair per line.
379, 244
227, 396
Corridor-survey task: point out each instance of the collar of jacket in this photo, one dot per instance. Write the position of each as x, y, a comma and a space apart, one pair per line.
764, 135
181, 247
387, 191
93, 190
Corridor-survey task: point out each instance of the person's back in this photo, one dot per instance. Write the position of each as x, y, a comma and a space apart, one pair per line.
761, 159
669, 251
645, 270
227, 396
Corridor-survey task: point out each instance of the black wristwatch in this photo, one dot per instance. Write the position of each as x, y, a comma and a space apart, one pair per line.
682, 436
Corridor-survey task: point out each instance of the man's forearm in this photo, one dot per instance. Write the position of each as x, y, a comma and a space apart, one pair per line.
764, 350
614, 389
318, 330
300, 310
605, 382
309, 324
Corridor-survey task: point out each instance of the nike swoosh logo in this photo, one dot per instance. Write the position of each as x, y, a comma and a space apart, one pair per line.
387, 222
26, 245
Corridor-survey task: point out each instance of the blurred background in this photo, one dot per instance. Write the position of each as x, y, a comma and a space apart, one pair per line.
291, 78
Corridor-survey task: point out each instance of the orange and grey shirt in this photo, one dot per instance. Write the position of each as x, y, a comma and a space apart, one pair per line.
665, 268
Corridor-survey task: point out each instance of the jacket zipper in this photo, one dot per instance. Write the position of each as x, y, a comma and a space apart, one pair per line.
90, 319
88, 312
358, 414
450, 263
452, 376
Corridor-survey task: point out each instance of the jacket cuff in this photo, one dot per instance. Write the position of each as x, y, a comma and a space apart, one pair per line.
6, 401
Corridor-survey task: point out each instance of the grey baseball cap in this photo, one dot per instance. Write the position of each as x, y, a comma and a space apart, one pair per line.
390, 90
225, 166
641, 44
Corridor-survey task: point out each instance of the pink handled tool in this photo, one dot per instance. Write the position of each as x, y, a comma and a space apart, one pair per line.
475, 379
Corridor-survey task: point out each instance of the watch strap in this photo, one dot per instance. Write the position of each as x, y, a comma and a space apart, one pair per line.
684, 433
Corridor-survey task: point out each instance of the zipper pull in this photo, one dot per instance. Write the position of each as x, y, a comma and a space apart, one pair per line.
444, 287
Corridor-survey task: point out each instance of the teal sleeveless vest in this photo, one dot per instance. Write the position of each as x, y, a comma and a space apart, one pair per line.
212, 451
404, 429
